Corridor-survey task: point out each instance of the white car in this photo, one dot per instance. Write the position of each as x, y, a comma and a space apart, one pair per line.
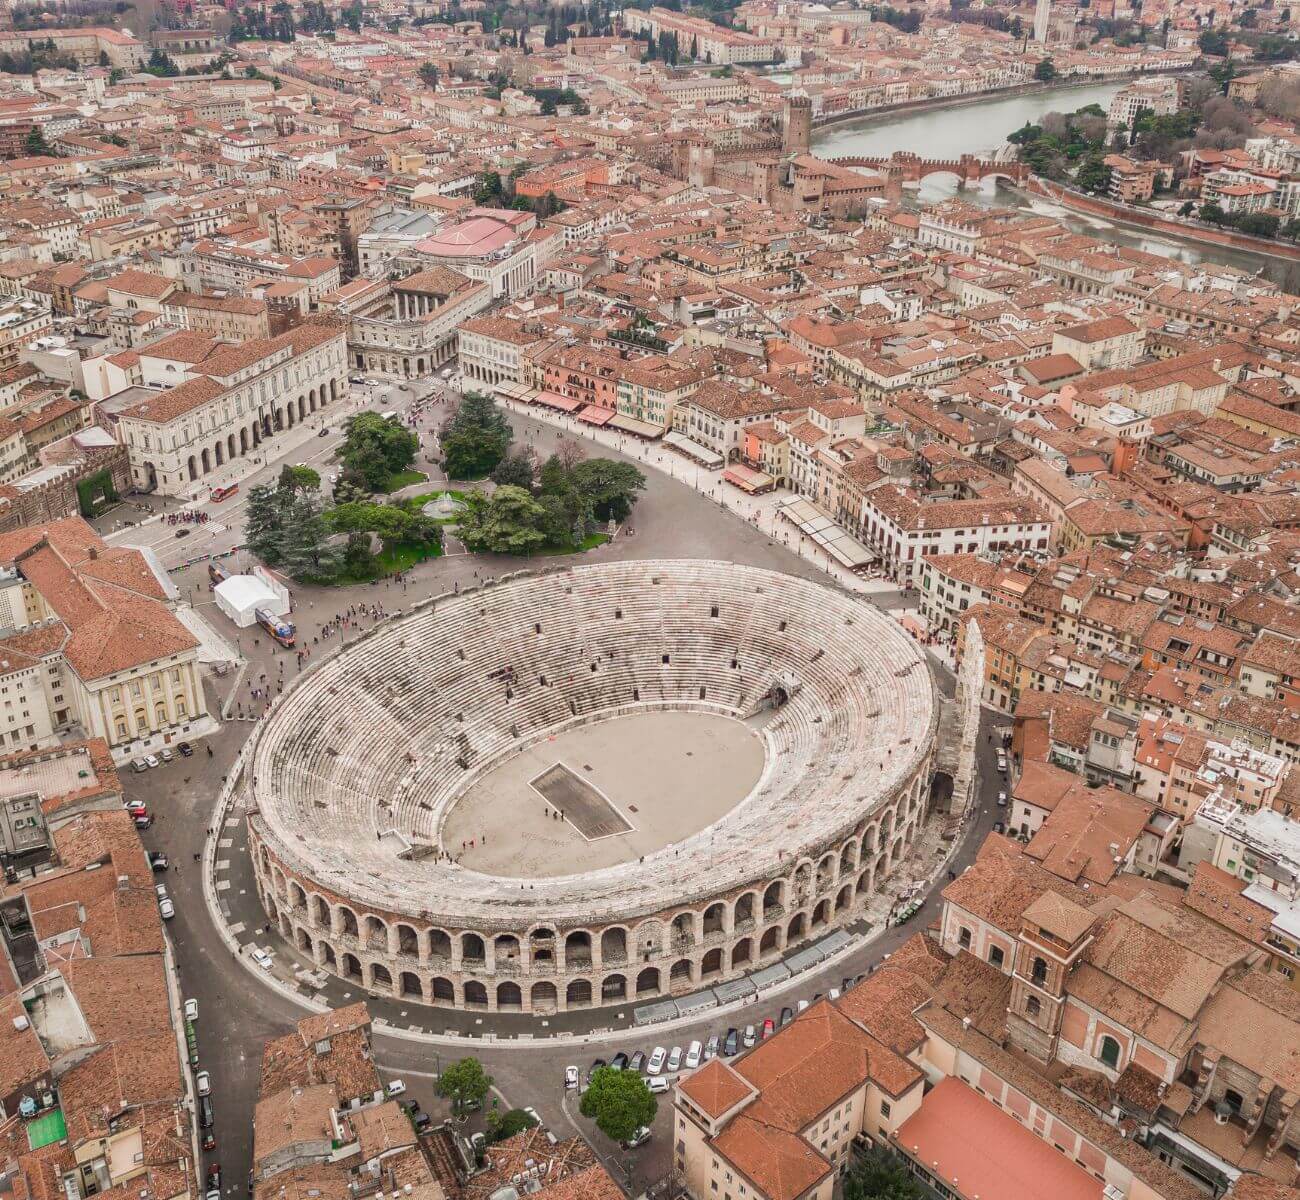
261, 958
151, 759
165, 754
167, 908
693, 1053
395, 1088
139, 766
656, 1063
160, 890
1002, 799
203, 1083
658, 1085
572, 1076
751, 1036
191, 1009
674, 1059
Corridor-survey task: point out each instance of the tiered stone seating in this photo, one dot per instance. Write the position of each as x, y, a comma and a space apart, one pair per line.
384, 736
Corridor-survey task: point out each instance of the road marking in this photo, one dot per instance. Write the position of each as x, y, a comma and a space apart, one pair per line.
225, 844
223, 864
238, 928
223, 884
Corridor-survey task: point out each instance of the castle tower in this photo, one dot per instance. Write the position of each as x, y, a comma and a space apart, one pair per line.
797, 135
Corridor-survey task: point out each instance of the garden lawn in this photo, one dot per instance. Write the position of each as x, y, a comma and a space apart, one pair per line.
404, 479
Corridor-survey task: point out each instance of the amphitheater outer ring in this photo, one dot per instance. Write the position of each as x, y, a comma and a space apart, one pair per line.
836, 810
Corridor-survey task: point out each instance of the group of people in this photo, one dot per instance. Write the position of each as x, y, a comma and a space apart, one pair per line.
187, 516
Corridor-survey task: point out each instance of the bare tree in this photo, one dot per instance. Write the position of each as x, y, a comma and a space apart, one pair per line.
1279, 96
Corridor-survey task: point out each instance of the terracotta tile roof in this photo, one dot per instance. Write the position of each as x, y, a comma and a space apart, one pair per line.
715, 1088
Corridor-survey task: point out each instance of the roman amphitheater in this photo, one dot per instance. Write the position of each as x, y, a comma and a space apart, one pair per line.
592, 785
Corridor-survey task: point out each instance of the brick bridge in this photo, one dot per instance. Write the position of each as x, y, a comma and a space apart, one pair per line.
903, 167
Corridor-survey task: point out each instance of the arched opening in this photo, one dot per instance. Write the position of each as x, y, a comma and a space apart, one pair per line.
1109, 1054
320, 912
543, 997
326, 952
471, 948
297, 898
506, 949
442, 990
744, 909
613, 945
680, 975
821, 913
509, 995
303, 940
475, 994
243, 441
864, 882
711, 964
376, 934
578, 993
647, 983
741, 951
577, 949
348, 921
217, 455
193, 468
713, 919
770, 941
613, 987
408, 941
773, 898
439, 944
541, 946
795, 929
845, 898
352, 967
379, 976
206, 459
1038, 972
683, 928
411, 985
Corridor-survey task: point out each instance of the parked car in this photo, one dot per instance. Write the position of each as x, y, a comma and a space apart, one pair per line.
142, 820
637, 1061
750, 1036
191, 1009
422, 1121
638, 1138
151, 759
619, 1061
183, 532
185, 749
596, 1064
694, 1052
999, 827
395, 1088
214, 1176
787, 1015
769, 1028
206, 1120
139, 766
801, 1005
674, 1059
166, 755
711, 1047
572, 1077
158, 861
203, 1083
833, 994
167, 908
261, 958
1002, 799
731, 1043
209, 1141
658, 1085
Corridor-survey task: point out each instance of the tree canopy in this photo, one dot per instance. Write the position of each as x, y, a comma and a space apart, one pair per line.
464, 1083
619, 1102
880, 1175
375, 449
475, 438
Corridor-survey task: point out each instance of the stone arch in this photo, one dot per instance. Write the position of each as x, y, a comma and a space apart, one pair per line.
410, 985
206, 459
475, 994
770, 941
351, 967
742, 952
297, 897
578, 993
613, 944
509, 995
682, 973
442, 990
541, 944
505, 949
192, 466
845, 898
408, 941
773, 895
577, 948
745, 908
683, 928
376, 933
796, 929
647, 982
440, 944
347, 920
303, 939
864, 882
822, 913
320, 912
649, 938
848, 856
543, 996
715, 917
325, 953
380, 976
711, 963
472, 948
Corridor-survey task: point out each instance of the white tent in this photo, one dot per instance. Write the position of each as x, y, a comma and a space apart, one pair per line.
240, 596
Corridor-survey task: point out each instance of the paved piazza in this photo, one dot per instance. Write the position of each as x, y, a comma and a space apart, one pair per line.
668, 774
767, 738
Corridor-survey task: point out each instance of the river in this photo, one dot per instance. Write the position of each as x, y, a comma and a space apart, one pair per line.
981, 128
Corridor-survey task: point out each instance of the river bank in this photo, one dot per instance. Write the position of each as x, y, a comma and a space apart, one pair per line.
866, 117
1141, 219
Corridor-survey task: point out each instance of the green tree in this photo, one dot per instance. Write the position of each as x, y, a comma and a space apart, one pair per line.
298, 479
1213, 42
36, 145
1045, 71
507, 1124
880, 1175
1094, 175
510, 522
619, 1102
487, 187
609, 486
160, 64
429, 75
475, 438
264, 523
304, 553
465, 1084
1213, 214
358, 561
515, 470
376, 449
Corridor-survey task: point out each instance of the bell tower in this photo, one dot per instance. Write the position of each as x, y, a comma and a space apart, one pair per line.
797, 134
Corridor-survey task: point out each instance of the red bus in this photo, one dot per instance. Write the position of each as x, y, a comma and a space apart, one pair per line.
224, 493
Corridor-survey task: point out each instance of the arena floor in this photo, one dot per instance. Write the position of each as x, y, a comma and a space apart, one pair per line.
666, 774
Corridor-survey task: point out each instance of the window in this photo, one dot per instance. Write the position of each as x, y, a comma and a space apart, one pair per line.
1110, 1052
884, 1108
963, 938
1039, 972
1033, 1006
996, 957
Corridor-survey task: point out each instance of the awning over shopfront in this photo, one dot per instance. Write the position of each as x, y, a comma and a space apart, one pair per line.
693, 450
749, 480
555, 400
638, 428
517, 391
836, 541
595, 414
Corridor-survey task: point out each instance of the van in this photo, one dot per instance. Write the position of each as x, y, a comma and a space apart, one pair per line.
693, 1053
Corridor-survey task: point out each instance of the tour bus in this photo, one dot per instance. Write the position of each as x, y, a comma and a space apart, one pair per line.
223, 493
